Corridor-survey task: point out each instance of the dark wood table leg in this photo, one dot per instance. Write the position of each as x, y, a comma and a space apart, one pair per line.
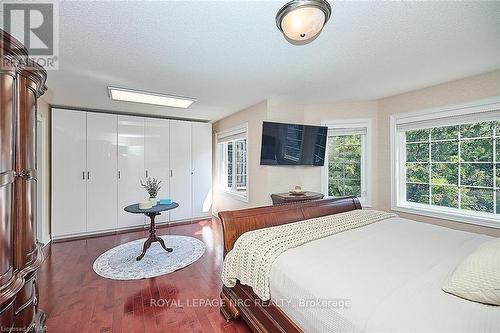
146, 246
162, 243
152, 238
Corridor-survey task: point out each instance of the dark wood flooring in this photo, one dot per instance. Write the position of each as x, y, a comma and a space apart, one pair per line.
76, 299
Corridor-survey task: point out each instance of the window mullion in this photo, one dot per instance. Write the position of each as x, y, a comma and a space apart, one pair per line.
223, 172
222, 166
459, 167
430, 167
362, 166
234, 186
494, 170
343, 171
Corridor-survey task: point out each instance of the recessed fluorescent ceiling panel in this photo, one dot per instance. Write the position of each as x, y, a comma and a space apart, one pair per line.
137, 96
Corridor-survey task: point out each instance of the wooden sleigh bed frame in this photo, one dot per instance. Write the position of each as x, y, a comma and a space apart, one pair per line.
240, 301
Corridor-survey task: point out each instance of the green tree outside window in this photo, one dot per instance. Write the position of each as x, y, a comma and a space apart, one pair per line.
344, 165
455, 166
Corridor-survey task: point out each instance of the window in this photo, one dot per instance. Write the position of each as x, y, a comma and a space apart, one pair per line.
450, 166
233, 162
346, 165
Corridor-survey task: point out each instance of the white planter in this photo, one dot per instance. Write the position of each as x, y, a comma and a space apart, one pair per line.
154, 201
145, 205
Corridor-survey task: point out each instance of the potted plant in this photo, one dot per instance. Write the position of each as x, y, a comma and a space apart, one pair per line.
152, 186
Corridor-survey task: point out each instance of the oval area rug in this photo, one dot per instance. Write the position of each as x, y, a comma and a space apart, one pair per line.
119, 263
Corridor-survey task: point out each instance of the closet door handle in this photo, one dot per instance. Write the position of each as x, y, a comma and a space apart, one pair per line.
119, 174
88, 175
83, 175
147, 173
170, 172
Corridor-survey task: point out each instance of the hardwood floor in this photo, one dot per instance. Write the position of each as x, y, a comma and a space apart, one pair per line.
76, 299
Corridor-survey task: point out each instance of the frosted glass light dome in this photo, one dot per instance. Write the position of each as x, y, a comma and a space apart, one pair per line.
301, 21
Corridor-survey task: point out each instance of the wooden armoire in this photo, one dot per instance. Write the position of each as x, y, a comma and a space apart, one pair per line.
22, 82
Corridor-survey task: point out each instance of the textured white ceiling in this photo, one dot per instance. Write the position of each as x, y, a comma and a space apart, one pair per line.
229, 54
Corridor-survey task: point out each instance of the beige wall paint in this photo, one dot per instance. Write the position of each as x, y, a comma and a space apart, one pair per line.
253, 116
264, 180
44, 115
284, 177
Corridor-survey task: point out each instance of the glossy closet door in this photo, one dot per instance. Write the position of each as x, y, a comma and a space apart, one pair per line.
180, 165
130, 168
157, 156
102, 171
201, 147
68, 172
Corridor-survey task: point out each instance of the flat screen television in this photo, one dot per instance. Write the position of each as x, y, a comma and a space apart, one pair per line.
293, 144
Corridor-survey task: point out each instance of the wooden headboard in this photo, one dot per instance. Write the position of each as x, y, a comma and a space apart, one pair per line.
237, 222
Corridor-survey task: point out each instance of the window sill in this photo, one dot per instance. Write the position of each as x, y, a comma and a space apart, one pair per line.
236, 195
482, 219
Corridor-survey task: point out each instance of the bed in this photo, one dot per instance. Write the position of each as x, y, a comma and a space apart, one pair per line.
383, 277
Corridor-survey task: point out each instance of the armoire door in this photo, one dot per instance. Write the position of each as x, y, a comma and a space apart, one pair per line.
102, 171
69, 198
7, 177
157, 157
130, 168
201, 148
180, 165
25, 186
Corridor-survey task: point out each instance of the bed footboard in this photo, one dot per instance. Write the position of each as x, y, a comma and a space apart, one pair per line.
241, 301
235, 223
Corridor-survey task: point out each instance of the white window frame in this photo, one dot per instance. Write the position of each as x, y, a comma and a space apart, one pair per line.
366, 156
476, 111
240, 132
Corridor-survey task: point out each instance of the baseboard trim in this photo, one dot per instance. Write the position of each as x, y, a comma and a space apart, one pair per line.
160, 225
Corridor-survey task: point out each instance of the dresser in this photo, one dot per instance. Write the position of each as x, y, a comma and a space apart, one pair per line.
22, 82
283, 198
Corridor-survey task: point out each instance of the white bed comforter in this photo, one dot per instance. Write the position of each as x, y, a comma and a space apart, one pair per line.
388, 276
253, 254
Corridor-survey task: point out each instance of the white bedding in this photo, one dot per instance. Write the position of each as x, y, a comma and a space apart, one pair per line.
389, 275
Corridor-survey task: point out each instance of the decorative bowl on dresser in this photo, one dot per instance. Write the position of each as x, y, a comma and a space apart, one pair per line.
22, 82
282, 198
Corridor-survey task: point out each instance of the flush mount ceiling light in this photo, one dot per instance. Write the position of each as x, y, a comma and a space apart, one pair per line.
301, 21
145, 97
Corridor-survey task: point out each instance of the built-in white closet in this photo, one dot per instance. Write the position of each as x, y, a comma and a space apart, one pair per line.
157, 157
130, 168
101, 171
69, 173
99, 159
180, 168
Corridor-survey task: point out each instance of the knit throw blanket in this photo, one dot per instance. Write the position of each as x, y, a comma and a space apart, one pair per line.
254, 252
